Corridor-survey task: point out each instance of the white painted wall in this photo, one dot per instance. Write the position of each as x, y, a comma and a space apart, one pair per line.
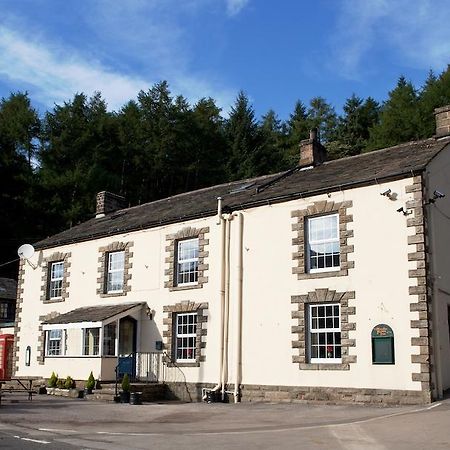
380, 279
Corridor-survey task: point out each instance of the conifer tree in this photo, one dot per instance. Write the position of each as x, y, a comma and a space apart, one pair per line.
243, 139
399, 118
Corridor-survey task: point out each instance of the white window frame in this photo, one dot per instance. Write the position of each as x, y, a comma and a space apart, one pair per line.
184, 335
56, 282
310, 241
84, 348
180, 261
315, 329
50, 339
111, 271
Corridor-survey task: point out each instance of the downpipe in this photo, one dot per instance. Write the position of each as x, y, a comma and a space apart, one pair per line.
220, 221
240, 278
227, 307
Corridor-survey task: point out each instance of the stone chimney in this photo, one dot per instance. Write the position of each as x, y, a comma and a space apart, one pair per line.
107, 202
442, 116
312, 152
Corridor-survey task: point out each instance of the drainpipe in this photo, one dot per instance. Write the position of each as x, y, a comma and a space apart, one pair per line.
221, 221
240, 268
227, 306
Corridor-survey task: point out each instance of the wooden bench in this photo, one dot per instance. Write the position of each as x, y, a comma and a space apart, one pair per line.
23, 387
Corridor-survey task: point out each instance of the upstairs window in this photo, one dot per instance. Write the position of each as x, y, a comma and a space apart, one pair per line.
323, 253
186, 337
187, 262
56, 279
54, 343
115, 275
325, 333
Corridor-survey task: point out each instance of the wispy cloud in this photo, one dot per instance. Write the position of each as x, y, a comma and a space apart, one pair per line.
130, 47
56, 73
415, 33
234, 7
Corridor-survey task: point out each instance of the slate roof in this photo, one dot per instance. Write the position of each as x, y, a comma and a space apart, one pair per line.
92, 313
368, 168
8, 288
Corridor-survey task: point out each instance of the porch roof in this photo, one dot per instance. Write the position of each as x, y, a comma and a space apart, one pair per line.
93, 313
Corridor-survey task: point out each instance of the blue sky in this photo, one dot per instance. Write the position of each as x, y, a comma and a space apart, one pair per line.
276, 51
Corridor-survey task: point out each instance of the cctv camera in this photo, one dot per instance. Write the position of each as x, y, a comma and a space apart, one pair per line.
437, 194
400, 209
386, 192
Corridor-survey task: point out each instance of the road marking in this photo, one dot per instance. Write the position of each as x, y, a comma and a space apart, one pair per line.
434, 406
57, 430
32, 440
119, 433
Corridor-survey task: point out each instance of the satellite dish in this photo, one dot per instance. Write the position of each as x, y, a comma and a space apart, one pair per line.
25, 251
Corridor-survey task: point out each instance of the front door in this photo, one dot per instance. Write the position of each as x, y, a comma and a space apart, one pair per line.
127, 347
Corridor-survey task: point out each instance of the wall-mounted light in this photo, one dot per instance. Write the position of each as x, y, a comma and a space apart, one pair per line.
403, 210
436, 195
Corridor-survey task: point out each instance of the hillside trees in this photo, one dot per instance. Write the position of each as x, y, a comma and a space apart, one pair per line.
19, 131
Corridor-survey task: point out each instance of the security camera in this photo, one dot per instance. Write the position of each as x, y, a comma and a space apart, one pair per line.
386, 193
437, 194
403, 211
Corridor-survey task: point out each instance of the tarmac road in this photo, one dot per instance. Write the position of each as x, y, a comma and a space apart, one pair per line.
59, 423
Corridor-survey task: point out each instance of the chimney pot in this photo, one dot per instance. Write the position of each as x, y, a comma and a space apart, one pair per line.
107, 202
442, 116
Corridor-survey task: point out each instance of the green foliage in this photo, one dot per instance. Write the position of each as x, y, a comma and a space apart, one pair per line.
60, 384
69, 383
243, 139
52, 382
399, 118
126, 383
90, 383
352, 131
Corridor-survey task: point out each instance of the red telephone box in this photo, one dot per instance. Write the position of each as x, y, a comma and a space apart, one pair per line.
6, 356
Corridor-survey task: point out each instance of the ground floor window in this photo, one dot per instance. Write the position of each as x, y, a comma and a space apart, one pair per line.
186, 336
54, 343
109, 339
324, 333
91, 339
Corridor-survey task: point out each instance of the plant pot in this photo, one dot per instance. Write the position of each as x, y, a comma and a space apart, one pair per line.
136, 398
117, 399
42, 390
87, 391
125, 397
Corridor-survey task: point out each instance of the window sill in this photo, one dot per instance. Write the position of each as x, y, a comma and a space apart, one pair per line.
324, 366
54, 300
327, 274
183, 364
185, 287
113, 294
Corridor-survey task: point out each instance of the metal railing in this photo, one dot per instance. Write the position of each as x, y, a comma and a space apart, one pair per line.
140, 366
